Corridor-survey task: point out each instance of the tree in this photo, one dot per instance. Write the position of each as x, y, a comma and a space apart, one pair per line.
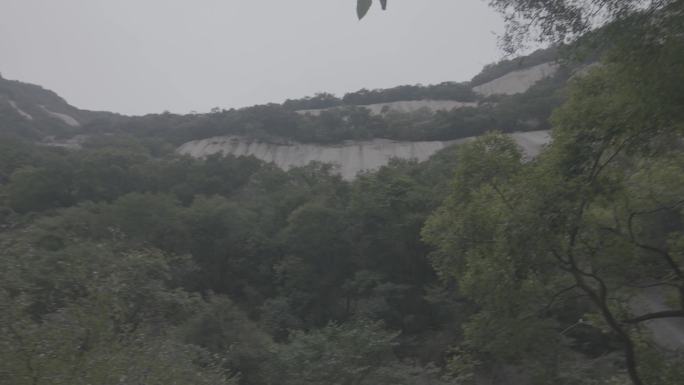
87, 314
223, 329
388, 208
336, 354
562, 21
40, 188
358, 352
316, 263
522, 239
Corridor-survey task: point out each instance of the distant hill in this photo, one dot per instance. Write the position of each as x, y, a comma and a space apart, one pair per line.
512, 95
31, 111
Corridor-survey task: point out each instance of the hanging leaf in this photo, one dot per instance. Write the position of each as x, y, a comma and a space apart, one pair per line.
384, 4
362, 7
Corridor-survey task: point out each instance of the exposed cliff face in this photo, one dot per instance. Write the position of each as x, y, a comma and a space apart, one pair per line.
406, 106
512, 83
517, 82
349, 157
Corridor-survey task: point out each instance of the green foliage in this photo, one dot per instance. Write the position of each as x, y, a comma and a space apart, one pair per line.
591, 216
38, 188
80, 346
461, 366
151, 262
443, 91
563, 21
358, 352
220, 327
86, 314
318, 101
123, 263
342, 354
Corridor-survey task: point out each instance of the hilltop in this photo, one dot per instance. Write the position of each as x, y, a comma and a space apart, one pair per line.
359, 131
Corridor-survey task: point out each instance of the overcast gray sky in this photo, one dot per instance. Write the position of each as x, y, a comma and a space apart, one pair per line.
144, 56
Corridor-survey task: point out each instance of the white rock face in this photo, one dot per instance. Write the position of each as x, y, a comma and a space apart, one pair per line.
517, 82
532, 142
20, 111
63, 117
405, 106
73, 143
349, 157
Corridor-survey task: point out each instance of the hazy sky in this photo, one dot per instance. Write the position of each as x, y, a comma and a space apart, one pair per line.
143, 56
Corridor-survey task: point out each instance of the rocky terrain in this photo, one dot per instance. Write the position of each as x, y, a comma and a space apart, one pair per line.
352, 157
517, 82
349, 157
59, 124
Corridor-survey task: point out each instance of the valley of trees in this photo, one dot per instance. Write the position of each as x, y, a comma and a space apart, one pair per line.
124, 263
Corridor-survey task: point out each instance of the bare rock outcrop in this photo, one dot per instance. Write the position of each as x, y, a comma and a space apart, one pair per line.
349, 157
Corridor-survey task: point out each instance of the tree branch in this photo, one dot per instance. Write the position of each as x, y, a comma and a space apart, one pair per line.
557, 295
657, 315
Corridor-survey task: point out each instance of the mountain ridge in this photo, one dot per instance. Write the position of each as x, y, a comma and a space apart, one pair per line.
359, 132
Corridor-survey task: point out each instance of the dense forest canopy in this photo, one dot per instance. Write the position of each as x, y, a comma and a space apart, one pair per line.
122, 262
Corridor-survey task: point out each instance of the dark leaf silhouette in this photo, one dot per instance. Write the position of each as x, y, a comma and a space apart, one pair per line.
362, 7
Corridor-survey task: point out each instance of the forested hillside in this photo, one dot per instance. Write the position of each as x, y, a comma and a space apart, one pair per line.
31, 112
124, 262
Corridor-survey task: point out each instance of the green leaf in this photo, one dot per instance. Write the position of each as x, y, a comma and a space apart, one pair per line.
362, 7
